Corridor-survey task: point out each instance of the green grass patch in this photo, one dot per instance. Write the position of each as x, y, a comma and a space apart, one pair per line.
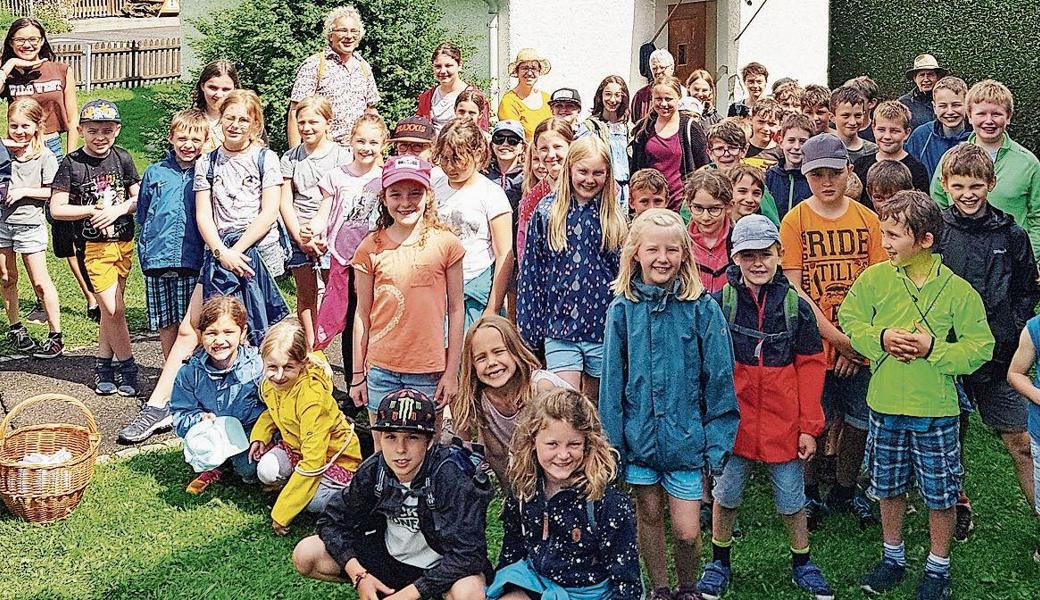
137, 534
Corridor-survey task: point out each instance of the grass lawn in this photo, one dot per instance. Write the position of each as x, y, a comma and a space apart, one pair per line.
138, 535
136, 110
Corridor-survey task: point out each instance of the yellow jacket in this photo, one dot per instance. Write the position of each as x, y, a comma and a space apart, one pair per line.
311, 423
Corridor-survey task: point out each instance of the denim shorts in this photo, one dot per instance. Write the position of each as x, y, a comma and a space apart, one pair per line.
564, 355
24, 239
684, 485
299, 258
1034, 445
999, 405
846, 398
787, 478
932, 457
382, 382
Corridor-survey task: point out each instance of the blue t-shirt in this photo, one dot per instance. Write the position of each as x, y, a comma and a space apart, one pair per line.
1033, 327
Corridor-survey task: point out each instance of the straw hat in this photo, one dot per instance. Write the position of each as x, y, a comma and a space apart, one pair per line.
926, 62
529, 55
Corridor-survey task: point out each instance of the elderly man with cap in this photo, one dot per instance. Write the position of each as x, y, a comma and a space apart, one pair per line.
661, 63
524, 103
925, 72
412, 520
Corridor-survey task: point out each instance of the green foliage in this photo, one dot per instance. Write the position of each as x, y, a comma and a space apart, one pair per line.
268, 39
53, 15
975, 40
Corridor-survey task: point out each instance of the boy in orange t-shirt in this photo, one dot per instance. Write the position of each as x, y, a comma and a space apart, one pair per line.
828, 240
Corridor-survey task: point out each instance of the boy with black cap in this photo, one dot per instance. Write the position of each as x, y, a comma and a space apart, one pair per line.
565, 103
96, 188
412, 521
413, 136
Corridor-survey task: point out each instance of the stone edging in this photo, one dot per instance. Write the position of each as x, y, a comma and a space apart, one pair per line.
134, 451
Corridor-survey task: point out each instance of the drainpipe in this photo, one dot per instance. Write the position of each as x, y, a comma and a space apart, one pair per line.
494, 8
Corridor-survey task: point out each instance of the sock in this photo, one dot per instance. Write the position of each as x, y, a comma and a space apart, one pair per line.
720, 550
17, 325
56, 335
799, 558
937, 565
896, 554
842, 493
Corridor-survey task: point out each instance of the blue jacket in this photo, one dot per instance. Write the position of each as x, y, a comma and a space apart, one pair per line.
788, 188
170, 236
234, 392
666, 397
920, 105
928, 143
574, 551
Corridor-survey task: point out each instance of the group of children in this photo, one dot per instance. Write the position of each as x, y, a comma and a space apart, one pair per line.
737, 299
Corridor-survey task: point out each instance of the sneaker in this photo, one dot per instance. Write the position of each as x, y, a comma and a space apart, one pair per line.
19, 337
126, 377
104, 377
714, 581
833, 504
94, 313
686, 591
809, 578
934, 587
147, 422
813, 511
203, 481
661, 593
52, 347
863, 510
37, 314
964, 525
884, 576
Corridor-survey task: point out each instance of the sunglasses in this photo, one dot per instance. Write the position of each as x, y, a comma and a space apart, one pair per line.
504, 139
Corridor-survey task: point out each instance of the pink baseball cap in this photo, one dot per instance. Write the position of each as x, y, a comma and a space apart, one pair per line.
402, 168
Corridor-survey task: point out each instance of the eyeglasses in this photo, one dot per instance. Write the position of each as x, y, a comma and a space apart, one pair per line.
27, 41
730, 150
534, 67
508, 140
353, 32
713, 211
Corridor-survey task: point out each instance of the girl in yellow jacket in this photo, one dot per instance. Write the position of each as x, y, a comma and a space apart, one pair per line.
318, 452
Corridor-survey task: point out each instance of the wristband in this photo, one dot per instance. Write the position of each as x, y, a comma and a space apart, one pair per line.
363, 380
359, 577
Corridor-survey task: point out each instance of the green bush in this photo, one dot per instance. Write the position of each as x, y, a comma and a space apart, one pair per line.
975, 40
52, 15
268, 39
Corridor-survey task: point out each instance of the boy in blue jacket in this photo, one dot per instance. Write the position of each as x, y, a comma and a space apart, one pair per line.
928, 142
785, 181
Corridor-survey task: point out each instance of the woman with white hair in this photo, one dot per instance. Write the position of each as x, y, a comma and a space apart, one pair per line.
661, 63
338, 73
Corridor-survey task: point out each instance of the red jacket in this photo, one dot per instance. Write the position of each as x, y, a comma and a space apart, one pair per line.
780, 381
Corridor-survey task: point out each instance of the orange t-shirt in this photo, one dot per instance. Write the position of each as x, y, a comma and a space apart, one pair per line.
830, 253
410, 303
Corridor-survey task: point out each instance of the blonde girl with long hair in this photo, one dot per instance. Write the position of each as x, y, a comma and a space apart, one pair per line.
552, 140
23, 228
408, 275
573, 250
238, 190
667, 397
499, 378
562, 509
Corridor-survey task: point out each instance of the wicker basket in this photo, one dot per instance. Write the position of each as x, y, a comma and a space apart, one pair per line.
45, 493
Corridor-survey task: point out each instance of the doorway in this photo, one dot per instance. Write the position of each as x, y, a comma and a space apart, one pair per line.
688, 34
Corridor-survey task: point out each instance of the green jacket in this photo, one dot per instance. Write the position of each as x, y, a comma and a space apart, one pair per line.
1018, 187
883, 297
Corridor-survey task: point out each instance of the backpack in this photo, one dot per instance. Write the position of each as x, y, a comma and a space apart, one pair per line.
729, 310
283, 233
468, 457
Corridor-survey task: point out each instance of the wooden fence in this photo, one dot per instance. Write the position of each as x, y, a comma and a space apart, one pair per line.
121, 64
77, 9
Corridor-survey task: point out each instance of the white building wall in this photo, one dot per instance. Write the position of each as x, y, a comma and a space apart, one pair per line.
790, 37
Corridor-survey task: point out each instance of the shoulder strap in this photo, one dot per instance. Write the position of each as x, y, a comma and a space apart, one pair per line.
590, 510
210, 168
791, 310
729, 303
260, 158
321, 70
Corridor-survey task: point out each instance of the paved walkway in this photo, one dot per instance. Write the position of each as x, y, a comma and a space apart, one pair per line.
121, 29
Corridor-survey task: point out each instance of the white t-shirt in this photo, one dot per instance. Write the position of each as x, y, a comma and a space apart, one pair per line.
306, 170
442, 108
469, 212
237, 188
405, 541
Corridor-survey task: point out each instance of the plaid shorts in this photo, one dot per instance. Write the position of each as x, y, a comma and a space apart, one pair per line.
167, 299
933, 456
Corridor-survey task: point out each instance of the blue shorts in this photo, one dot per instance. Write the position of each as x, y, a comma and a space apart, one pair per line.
382, 382
564, 355
846, 398
684, 485
788, 481
932, 456
299, 258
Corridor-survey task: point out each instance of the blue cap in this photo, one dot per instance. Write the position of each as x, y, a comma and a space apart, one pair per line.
753, 232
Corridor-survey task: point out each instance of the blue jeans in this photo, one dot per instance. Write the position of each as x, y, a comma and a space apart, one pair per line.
382, 382
787, 479
1034, 445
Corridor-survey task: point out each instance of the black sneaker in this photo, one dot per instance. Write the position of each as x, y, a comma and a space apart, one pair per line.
52, 347
813, 511
94, 313
150, 420
863, 510
964, 525
104, 377
126, 377
934, 587
37, 314
885, 575
19, 337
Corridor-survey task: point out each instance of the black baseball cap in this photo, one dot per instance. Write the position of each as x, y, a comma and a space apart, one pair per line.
565, 95
406, 410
